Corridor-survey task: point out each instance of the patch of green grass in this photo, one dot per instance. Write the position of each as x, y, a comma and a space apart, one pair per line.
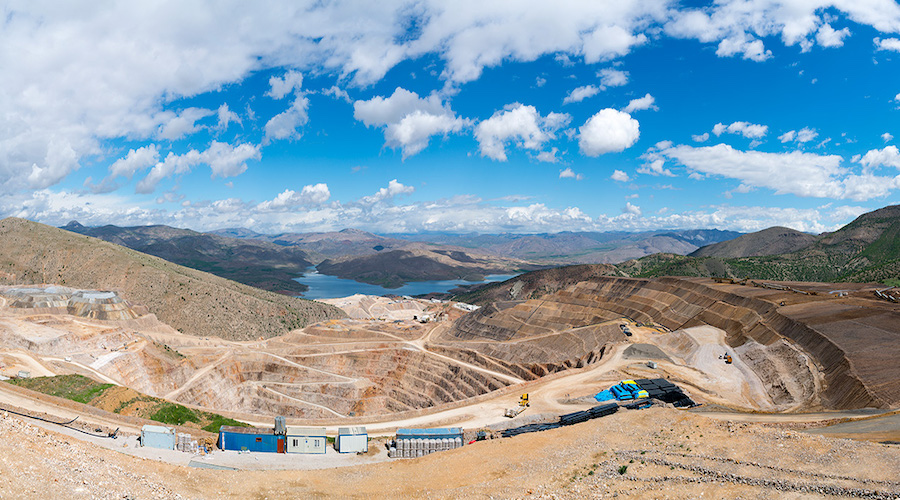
623, 469
74, 387
216, 421
174, 414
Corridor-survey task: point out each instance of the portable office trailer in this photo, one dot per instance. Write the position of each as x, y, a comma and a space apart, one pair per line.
250, 439
305, 440
157, 436
352, 440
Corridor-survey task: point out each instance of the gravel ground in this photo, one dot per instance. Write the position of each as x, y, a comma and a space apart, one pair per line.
654, 453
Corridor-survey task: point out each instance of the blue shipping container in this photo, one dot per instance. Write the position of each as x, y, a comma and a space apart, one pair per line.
244, 438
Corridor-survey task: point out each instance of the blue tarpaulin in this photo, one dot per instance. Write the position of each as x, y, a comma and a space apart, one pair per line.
604, 396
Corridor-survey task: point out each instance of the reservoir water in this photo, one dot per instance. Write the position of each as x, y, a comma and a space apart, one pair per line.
323, 286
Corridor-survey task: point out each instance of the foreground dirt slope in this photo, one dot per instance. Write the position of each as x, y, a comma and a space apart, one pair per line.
667, 454
191, 301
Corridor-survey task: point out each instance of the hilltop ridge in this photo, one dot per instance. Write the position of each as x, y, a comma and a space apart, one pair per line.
191, 301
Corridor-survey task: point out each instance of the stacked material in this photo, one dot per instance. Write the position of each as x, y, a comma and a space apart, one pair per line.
412, 443
627, 390
567, 419
185, 443
665, 391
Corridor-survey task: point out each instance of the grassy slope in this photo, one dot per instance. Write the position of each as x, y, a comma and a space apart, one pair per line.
85, 390
192, 301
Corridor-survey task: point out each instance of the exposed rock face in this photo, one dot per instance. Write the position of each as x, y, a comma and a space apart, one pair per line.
855, 343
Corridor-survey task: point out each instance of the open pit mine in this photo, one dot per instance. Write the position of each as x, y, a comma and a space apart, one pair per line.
794, 347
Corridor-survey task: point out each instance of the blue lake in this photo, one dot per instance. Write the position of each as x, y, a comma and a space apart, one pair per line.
323, 286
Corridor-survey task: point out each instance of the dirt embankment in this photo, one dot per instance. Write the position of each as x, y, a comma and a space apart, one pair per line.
654, 453
191, 301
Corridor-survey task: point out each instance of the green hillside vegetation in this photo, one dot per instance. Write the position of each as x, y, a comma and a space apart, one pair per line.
75, 387
90, 392
866, 250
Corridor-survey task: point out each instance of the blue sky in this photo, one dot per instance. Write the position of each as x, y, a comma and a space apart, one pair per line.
466, 117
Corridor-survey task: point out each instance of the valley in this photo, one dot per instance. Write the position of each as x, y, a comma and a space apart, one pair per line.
807, 355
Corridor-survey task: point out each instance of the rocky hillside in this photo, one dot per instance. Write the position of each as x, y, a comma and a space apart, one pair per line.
321, 246
865, 250
252, 262
192, 301
536, 284
771, 241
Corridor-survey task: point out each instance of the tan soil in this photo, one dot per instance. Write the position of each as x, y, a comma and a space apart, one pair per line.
668, 454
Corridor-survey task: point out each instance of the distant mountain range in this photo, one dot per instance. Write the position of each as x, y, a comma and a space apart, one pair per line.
865, 250
581, 247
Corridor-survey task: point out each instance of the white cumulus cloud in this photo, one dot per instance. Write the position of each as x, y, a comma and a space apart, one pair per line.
641, 103
579, 94
568, 173
409, 121
631, 209
312, 194
830, 37
798, 173
620, 176
224, 160
611, 77
892, 44
392, 190
518, 123
748, 130
608, 131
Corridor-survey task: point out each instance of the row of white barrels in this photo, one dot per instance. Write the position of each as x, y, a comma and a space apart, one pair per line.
419, 447
185, 443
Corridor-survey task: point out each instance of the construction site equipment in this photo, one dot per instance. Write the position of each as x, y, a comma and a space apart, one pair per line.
513, 412
523, 400
728, 359
627, 390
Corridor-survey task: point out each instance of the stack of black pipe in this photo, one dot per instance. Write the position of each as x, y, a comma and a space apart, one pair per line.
567, 419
